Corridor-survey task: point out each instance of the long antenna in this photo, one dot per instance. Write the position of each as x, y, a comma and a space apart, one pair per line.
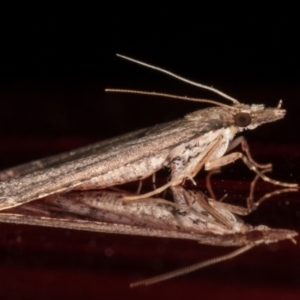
185, 98
235, 101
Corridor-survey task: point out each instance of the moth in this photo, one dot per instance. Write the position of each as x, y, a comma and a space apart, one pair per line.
202, 139
104, 211
76, 186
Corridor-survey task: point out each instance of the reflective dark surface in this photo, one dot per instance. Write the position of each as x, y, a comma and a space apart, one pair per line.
46, 262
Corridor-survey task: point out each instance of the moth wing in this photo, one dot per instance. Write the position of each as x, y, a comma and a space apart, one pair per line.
63, 173
61, 158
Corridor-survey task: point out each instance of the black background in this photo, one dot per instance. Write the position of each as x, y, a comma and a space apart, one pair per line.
56, 61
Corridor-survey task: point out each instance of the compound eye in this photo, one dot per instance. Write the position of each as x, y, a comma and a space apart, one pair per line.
242, 119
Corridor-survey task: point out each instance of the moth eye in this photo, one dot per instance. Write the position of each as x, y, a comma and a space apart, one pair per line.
242, 119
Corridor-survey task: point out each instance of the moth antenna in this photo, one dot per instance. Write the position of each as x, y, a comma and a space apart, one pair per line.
168, 96
192, 268
202, 86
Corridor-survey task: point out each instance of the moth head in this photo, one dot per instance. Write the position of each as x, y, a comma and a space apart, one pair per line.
249, 117
264, 235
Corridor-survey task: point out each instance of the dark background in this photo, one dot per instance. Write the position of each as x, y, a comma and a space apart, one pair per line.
55, 62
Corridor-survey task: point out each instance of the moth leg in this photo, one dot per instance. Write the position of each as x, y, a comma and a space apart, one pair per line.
245, 147
208, 182
147, 195
225, 160
139, 186
154, 186
154, 181
230, 207
251, 204
214, 166
179, 177
198, 202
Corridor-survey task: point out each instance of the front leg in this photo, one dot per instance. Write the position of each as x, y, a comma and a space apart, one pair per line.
245, 147
227, 159
247, 159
